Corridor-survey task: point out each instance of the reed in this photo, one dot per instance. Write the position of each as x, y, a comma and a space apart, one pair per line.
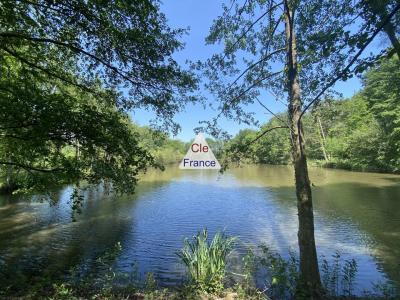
206, 260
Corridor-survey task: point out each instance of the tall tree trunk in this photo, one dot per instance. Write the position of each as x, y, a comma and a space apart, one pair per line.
310, 281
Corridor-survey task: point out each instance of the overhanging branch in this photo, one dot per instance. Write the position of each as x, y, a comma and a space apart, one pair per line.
48, 72
245, 91
73, 48
272, 113
245, 147
260, 80
264, 58
31, 168
264, 133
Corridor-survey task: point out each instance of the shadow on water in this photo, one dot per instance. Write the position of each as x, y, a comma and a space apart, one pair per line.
39, 240
356, 213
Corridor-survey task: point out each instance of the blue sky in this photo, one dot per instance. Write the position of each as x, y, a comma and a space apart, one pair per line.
199, 15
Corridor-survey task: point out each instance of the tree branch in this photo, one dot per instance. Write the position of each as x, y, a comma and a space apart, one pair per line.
245, 91
259, 136
40, 5
73, 48
26, 167
264, 133
250, 27
272, 113
232, 4
254, 85
35, 66
346, 69
255, 64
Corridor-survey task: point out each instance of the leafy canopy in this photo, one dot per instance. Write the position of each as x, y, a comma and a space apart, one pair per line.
70, 71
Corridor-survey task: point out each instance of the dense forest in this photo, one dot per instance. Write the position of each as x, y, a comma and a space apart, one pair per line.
359, 133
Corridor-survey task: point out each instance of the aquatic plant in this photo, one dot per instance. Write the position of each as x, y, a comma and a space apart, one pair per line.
206, 260
339, 280
283, 274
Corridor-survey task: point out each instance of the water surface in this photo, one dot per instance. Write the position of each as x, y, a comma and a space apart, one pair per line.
357, 214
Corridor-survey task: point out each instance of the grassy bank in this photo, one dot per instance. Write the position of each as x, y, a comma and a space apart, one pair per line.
207, 262
342, 164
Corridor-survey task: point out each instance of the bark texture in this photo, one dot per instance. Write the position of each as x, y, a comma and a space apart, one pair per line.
310, 281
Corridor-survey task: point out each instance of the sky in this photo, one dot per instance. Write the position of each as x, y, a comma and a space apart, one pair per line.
199, 16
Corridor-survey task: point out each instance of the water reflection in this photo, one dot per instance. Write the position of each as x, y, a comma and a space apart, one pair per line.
356, 213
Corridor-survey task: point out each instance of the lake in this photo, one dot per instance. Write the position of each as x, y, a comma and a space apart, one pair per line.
356, 213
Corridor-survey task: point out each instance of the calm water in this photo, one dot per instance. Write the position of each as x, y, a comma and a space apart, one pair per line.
355, 213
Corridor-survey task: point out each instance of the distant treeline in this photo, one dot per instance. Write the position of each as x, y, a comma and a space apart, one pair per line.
360, 133
164, 149
167, 150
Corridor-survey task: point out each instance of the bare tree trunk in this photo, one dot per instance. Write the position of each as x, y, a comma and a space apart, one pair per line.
310, 281
322, 138
9, 184
77, 150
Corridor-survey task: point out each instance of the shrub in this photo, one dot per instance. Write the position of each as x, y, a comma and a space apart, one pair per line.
206, 260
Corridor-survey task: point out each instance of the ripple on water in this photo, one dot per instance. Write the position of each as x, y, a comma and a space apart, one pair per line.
353, 214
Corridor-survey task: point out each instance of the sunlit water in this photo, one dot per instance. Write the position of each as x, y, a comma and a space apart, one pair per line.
357, 214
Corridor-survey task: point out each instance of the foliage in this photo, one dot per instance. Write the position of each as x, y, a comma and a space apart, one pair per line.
296, 50
67, 136
274, 147
283, 275
206, 260
240, 148
337, 279
98, 278
254, 51
50, 134
382, 94
360, 133
382, 289
280, 276
352, 135
124, 45
69, 73
217, 146
246, 288
62, 292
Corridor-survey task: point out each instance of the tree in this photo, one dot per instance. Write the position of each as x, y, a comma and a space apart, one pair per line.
382, 93
274, 147
353, 137
70, 70
51, 133
296, 50
242, 141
